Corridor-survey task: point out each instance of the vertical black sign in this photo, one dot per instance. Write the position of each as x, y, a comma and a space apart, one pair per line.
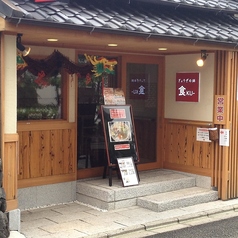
119, 131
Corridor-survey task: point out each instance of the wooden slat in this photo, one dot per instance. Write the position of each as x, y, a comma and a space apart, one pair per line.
47, 125
182, 149
225, 163
45, 153
25, 183
10, 170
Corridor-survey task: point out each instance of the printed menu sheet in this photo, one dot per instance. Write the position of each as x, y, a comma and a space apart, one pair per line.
128, 171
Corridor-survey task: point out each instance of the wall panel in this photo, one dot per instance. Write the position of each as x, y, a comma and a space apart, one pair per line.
45, 153
10, 168
183, 152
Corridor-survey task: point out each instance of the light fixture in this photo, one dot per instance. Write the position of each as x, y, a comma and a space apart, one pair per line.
25, 50
204, 55
112, 44
162, 48
52, 39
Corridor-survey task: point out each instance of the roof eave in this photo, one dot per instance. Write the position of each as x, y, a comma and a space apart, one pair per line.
91, 29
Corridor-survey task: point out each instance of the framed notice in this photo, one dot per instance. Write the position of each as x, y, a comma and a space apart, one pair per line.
119, 132
128, 171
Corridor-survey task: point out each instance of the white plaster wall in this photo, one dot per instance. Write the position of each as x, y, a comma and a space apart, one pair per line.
70, 53
200, 111
10, 79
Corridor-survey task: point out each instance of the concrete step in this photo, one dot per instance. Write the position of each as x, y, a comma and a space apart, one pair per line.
97, 192
177, 199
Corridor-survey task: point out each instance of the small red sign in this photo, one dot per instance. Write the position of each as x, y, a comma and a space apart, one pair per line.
117, 113
122, 147
187, 87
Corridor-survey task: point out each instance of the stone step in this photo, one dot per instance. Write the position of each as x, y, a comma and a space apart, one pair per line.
177, 199
97, 192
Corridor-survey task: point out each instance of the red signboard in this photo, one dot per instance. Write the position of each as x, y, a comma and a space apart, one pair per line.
122, 147
187, 87
117, 113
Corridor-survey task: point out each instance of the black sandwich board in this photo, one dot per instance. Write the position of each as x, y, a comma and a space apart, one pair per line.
120, 136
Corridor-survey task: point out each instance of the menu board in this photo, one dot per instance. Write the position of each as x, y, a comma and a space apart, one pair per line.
119, 132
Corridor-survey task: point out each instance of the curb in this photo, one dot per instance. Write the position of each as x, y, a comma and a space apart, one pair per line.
166, 222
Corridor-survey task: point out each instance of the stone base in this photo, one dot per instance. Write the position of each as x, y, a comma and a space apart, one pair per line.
46, 195
163, 183
14, 217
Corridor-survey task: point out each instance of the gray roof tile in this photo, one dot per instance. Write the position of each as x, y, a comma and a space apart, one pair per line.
217, 5
160, 18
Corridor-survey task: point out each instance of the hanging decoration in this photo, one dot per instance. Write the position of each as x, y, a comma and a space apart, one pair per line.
40, 80
51, 65
21, 64
101, 65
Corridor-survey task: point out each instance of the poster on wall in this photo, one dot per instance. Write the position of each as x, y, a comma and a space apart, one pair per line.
187, 87
224, 137
203, 135
119, 132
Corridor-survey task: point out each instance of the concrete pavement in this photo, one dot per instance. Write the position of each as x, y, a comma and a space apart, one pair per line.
16, 234
77, 220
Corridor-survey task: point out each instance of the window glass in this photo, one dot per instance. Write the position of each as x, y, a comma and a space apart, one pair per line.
142, 86
91, 144
39, 97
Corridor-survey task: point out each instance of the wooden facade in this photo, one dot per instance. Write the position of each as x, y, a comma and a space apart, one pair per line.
47, 153
47, 150
44, 152
183, 152
10, 168
225, 161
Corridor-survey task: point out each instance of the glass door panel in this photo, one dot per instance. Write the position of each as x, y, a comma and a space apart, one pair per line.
91, 151
142, 87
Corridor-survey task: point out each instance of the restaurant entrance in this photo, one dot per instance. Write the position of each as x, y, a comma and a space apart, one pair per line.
141, 82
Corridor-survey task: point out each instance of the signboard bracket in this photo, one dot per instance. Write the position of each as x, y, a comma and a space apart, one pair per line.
109, 169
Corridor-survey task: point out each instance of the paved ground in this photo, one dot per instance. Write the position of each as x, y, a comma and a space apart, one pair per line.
15, 234
76, 220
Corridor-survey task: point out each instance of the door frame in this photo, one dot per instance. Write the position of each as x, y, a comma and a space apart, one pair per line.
160, 61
